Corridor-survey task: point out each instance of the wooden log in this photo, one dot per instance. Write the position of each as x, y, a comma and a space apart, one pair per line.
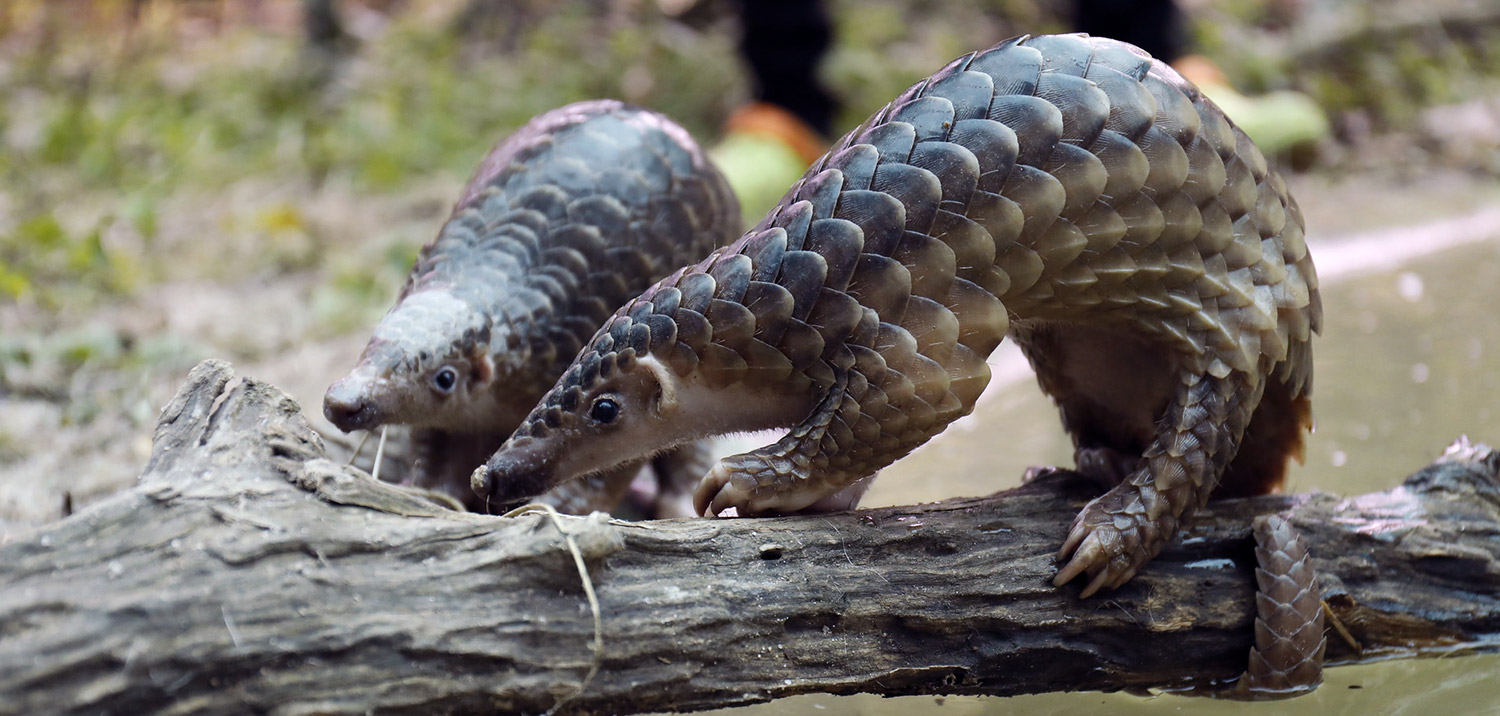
246, 573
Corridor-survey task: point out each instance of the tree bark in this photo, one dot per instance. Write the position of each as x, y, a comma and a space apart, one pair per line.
246, 573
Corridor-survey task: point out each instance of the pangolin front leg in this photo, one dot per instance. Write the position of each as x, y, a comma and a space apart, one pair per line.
791, 473
677, 474
893, 386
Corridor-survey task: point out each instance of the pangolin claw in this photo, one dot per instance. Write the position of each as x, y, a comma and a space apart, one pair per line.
754, 484
717, 492
1040, 472
1096, 546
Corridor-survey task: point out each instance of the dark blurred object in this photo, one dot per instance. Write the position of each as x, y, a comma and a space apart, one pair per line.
1152, 25
784, 40
769, 142
325, 32
505, 19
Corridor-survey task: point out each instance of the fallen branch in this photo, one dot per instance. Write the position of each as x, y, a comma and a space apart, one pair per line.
245, 573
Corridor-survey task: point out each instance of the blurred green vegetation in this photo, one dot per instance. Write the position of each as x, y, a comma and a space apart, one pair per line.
161, 115
1384, 61
40, 252
125, 141
165, 147
99, 128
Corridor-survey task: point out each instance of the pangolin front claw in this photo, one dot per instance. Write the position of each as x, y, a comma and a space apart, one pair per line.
760, 482
718, 491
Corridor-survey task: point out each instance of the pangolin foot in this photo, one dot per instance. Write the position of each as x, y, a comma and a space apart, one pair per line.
1107, 541
764, 482
757, 484
1041, 472
1106, 465
720, 490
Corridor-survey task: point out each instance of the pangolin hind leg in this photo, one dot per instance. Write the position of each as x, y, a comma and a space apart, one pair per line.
1196, 437
1274, 435
1110, 386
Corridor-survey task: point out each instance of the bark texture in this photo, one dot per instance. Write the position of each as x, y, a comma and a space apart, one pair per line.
246, 573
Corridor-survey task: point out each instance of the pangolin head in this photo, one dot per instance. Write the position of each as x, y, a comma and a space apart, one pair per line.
612, 405
428, 364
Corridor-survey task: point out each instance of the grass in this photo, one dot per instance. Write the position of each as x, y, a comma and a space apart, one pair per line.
101, 142
133, 158
138, 155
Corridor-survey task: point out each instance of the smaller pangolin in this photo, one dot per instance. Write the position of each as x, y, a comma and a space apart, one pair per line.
1070, 192
567, 218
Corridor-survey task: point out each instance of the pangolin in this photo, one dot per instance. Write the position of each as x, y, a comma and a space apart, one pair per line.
566, 219
1067, 191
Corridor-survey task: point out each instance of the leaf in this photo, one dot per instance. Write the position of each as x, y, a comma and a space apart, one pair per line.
12, 283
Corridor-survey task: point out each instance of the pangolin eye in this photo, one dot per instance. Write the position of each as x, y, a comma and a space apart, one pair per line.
445, 379
604, 411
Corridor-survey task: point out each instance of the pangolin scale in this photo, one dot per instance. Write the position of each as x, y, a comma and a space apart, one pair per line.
1067, 191
564, 220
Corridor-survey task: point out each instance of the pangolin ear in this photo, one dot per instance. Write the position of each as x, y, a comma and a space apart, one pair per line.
665, 402
481, 364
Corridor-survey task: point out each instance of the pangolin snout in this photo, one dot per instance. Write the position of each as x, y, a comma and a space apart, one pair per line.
483, 481
480, 480
512, 477
347, 407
